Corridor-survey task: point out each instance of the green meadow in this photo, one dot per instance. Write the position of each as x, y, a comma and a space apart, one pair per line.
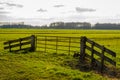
52, 66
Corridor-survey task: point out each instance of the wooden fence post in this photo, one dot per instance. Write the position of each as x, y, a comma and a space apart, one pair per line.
82, 48
33, 43
102, 60
36, 42
92, 54
20, 43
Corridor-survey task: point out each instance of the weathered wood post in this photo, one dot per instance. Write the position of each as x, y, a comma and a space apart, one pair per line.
82, 48
33, 47
92, 54
20, 43
36, 42
102, 59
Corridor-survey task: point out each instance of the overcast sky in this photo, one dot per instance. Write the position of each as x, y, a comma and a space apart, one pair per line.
39, 12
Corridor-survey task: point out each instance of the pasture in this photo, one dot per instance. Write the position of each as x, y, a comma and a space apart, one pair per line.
41, 66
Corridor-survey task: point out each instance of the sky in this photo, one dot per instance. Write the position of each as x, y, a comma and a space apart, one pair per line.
41, 12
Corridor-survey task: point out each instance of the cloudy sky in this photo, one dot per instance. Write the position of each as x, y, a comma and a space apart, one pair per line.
40, 12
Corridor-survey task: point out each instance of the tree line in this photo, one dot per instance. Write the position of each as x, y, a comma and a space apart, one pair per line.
16, 26
68, 25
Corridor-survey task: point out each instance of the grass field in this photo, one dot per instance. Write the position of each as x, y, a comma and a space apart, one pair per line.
41, 66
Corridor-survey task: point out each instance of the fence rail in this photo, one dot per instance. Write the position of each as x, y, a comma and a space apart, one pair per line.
103, 54
19, 44
58, 43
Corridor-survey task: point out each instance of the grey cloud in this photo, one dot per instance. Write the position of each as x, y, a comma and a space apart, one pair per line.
4, 12
1, 8
12, 4
5, 17
108, 20
42, 10
78, 9
1, 3
77, 18
37, 19
17, 5
57, 6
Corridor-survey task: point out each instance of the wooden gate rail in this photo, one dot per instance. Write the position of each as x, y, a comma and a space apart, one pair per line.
21, 42
44, 42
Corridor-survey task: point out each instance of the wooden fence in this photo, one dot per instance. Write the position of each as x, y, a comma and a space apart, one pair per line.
103, 53
26, 43
82, 45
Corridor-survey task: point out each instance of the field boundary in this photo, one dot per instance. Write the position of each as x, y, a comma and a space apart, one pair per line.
82, 47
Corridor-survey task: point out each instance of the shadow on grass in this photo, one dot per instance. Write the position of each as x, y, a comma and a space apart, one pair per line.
76, 64
85, 66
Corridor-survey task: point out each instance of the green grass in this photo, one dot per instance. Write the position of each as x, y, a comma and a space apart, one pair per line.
51, 66
40, 66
